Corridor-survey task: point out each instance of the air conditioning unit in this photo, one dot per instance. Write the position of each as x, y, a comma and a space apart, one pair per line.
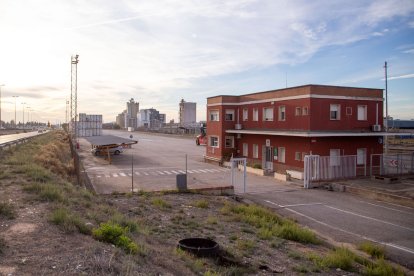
376, 128
238, 126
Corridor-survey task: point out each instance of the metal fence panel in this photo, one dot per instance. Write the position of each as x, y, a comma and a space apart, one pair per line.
392, 164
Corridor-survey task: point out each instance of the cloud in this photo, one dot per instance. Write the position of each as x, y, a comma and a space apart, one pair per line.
410, 51
407, 76
153, 50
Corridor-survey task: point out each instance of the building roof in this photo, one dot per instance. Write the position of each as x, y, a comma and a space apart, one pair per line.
106, 140
312, 133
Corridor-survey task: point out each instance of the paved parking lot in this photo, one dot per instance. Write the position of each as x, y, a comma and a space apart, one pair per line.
157, 161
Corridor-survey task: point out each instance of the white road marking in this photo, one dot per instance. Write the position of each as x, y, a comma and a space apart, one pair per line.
366, 217
99, 176
224, 170
145, 173
130, 174
189, 171
160, 172
137, 173
303, 204
215, 170
393, 209
402, 248
209, 170
167, 172
122, 174
180, 171
114, 175
204, 171
175, 172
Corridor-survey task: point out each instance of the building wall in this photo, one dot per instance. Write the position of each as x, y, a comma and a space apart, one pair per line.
187, 113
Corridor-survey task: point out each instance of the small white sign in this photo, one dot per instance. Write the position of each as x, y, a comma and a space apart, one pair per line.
267, 142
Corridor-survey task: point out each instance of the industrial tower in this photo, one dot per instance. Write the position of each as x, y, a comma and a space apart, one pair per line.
74, 97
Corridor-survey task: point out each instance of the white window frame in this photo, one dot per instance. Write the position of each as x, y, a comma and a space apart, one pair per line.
255, 114
362, 116
210, 141
282, 113
229, 112
332, 108
266, 114
305, 111
245, 149
334, 159
231, 138
214, 115
361, 156
255, 151
281, 154
245, 114
298, 156
298, 111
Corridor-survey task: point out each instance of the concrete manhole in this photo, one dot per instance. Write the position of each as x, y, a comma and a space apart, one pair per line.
200, 247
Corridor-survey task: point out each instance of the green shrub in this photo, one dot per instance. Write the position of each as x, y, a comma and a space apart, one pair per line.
120, 219
46, 191
374, 250
159, 202
7, 210
116, 235
257, 166
201, 203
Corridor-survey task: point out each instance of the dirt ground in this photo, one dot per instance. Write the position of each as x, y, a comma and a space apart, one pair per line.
33, 241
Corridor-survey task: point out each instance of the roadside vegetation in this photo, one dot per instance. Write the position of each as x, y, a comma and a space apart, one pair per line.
129, 234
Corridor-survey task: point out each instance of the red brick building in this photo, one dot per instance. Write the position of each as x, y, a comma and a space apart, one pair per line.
277, 128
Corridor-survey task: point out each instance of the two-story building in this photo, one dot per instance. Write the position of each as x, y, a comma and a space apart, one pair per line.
277, 128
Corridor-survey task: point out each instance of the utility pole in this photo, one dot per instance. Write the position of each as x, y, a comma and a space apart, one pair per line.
74, 97
0, 105
386, 106
15, 123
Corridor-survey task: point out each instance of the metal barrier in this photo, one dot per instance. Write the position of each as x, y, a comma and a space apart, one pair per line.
392, 164
81, 175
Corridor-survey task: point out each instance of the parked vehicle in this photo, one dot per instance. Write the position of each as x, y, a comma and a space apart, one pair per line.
115, 150
201, 139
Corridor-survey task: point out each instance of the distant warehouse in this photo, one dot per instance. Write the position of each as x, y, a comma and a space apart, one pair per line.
89, 125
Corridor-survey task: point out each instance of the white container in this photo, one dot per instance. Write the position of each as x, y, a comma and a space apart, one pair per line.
130, 129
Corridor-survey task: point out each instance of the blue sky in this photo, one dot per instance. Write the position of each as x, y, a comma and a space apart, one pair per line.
158, 52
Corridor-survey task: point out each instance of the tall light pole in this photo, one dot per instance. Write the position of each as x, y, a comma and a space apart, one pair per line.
0, 105
74, 96
386, 106
15, 122
23, 113
28, 114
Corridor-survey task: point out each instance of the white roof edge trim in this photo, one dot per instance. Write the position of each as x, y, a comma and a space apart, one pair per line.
315, 96
312, 134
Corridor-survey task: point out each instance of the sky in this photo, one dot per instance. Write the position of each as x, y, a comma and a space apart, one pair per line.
161, 51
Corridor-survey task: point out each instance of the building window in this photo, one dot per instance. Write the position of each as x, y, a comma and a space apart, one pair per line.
267, 114
361, 156
281, 154
255, 114
335, 112
229, 115
245, 149
255, 151
305, 111
362, 112
282, 113
245, 114
213, 141
229, 142
334, 159
298, 111
214, 115
348, 110
298, 156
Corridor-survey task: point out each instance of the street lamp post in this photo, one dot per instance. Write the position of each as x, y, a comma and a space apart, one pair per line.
23, 113
0, 105
28, 114
15, 123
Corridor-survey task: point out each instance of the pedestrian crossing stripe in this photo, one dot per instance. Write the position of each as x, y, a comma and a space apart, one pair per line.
158, 173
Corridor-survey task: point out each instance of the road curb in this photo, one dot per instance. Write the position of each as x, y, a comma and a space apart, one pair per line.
376, 195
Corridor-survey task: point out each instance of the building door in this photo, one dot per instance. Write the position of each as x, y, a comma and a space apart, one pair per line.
268, 159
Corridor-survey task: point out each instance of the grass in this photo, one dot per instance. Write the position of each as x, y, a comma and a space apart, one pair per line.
7, 210
269, 224
211, 220
69, 222
245, 245
160, 203
381, 268
116, 234
46, 191
340, 257
372, 249
201, 204
2, 245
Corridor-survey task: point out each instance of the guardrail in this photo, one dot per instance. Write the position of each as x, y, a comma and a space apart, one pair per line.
8, 145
